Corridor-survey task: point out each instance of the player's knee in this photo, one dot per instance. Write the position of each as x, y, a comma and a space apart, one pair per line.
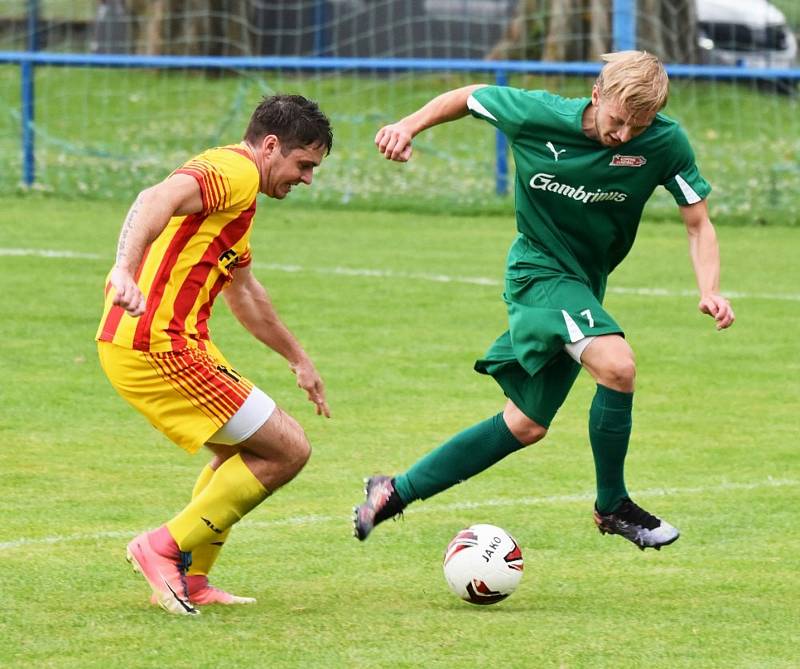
525, 430
298, 450
302, 452
529, 434
621, 374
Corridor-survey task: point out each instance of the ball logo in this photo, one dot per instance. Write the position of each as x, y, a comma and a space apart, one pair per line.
491, 548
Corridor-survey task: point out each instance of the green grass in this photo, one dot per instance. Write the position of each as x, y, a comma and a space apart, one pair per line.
714, 450
52, 9
791, 11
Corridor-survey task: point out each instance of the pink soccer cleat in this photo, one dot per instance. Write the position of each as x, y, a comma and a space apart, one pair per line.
162, 569
202, 593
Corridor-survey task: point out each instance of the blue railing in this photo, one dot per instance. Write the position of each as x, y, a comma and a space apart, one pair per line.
623, 24
623, 35
499, 69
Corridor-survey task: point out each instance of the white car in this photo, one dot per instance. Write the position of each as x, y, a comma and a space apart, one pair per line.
744, 33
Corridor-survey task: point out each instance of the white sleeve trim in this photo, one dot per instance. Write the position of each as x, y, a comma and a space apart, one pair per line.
573, 330
478, 108
688, 192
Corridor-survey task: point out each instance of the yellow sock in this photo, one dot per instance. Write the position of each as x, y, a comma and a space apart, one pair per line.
232, 492
205, 555
202, 480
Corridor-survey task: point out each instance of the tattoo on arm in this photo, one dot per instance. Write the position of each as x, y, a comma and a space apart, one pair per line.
127, 226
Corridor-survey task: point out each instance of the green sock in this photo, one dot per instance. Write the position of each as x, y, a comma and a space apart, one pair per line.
466, 454
609, 433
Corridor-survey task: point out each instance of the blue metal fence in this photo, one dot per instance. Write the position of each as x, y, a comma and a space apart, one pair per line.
623, 24
624, 37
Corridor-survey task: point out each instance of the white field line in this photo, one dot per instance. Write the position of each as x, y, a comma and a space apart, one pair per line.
344, 519
48, 253
421, 276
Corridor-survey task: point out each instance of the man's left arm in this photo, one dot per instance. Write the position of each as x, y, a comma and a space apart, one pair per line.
704, 252
250, 303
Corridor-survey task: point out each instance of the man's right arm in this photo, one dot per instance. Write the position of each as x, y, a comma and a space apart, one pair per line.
177, 195
394, 140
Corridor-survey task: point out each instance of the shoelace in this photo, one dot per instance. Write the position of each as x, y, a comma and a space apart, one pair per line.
632, 513
185, 561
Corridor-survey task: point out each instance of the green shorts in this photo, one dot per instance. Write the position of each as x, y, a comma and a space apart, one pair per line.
546, 310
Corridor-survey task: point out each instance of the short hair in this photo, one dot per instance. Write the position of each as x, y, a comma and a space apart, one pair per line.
293, 119
634, 79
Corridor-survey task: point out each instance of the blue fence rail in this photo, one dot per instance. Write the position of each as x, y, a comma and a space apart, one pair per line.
28, 60
623, 37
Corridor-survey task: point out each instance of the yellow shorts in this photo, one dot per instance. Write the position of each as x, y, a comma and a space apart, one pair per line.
188, 395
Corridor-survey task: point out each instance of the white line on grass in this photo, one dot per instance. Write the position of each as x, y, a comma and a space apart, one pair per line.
421, 276
429, 508
48, 253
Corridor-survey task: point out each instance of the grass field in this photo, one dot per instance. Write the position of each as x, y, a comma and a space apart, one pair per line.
387, 305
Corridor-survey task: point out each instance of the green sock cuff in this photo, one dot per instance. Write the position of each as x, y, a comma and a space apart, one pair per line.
611, 411
499, 424
613, 399
404, 489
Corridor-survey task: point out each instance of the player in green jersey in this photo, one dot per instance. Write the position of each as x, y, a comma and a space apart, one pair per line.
585, 167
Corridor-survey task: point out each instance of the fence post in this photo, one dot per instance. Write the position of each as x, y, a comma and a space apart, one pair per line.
27, 92
321, 39
624, 25
501, 147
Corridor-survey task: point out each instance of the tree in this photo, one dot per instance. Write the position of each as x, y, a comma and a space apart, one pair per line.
580, 30
191, 27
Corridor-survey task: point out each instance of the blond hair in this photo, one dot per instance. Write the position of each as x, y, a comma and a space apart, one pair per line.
634, 79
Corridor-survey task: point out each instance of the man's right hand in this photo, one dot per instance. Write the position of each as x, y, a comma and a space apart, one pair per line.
394, 142
128, 296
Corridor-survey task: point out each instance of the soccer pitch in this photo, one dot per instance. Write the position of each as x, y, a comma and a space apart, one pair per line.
394, 308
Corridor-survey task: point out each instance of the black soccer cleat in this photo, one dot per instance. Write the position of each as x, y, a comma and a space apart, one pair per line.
382, 502
636, 525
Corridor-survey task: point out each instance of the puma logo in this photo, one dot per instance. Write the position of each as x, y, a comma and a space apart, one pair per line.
556, 154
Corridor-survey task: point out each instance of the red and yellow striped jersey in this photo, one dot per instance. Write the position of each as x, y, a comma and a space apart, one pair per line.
192, 260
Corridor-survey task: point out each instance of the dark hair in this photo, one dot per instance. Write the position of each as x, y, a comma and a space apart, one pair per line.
293, 119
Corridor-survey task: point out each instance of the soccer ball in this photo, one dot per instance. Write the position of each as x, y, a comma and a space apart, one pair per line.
483, 564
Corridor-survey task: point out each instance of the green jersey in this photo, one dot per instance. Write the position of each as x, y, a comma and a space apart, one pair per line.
578, 202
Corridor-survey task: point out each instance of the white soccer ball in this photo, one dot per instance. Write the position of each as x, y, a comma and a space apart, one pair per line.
483, 564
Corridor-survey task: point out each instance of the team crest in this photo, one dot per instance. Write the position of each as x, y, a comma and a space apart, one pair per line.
627, 161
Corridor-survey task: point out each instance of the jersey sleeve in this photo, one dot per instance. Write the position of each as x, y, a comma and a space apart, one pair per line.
227, 180
682, 177
507, 109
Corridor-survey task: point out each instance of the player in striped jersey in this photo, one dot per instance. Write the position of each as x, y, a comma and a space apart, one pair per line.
185, 241
585, 167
